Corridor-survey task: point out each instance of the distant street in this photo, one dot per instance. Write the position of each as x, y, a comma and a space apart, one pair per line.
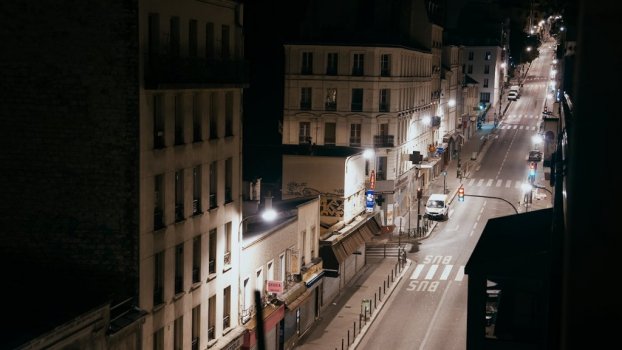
428, 310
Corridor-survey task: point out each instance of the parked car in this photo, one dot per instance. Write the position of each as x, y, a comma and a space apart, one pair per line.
512, 95
534, 156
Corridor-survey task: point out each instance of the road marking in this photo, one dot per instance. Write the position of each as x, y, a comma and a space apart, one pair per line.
460, 274
489, 183
507, 184
417, 271
431, 272
499, 182
517, 184
480, 182
471, 182
446, 272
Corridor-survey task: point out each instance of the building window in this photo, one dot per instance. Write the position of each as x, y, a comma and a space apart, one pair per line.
227, 257
179, 268
179, 195
381, 170
196, 326
229, 113
213, 184
213, 116
192, 38
226, 308
196, 119
179, 120
358, 62
158, 278
331, 99
270, 271
332, 63
305, 98
158, 339
470, 69
282, 268
485, 82
158, 200
330, 134
383, 105
259, 282
154, 34
211, 318
158, 122
196, 259
174, 37
209, 40
487, 56
307, 63
196, 190
212, 251
304, 132
484, 97
385, 65
487, 69
357, 100
470, 55
247, 300
225, 53
178, 333
229, 180
355, 135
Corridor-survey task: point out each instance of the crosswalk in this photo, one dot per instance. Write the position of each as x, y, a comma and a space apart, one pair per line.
501, 183
430, 278
437, 272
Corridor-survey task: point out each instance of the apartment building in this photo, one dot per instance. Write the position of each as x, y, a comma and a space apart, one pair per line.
281, 261
488, 66
190, 148
131, 114
364, 97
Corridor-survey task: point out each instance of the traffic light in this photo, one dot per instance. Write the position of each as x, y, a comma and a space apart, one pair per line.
461, 194
419, 193
532, 169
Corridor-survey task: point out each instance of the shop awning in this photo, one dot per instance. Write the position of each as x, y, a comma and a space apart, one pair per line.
337, 248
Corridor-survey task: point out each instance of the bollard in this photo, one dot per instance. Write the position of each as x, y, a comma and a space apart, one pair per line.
354, 331
341, 343
348, 337
379, 293
374, 302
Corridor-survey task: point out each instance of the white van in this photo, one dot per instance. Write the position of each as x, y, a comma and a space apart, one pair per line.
437, 206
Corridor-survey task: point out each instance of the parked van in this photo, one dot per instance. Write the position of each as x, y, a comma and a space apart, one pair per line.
437, 206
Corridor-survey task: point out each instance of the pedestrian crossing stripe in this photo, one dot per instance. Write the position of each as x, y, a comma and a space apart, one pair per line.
519, 127
475, 182
432, 274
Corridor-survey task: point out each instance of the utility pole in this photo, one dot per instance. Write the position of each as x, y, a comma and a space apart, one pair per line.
419, 195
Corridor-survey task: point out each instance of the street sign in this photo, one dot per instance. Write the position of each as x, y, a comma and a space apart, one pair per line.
369, 201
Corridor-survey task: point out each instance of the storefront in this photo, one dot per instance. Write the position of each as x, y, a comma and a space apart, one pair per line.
272, 316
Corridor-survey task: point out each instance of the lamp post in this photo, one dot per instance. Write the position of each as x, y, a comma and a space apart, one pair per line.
526, 195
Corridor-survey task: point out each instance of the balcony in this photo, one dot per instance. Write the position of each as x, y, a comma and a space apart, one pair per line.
212, 201
330, 106
211, 333
163, 72
383, 141
196, 206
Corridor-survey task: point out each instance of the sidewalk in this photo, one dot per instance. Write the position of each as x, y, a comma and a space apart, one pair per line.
340, 326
